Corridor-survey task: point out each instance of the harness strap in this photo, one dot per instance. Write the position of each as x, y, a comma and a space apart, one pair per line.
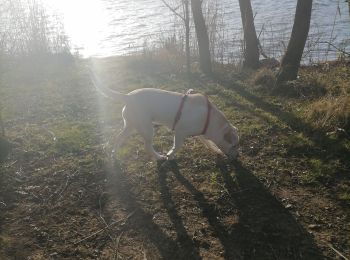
179, 111
208, 117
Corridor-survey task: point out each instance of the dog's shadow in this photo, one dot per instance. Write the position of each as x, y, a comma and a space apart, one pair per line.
265, 228
142, 221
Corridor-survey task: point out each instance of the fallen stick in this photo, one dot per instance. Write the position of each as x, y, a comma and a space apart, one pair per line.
93, 234
337, 252
116, 247
106, 227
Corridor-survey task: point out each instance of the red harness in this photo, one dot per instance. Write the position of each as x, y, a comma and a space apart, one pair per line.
208, 117
179, 112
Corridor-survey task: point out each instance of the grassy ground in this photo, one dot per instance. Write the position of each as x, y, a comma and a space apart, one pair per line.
287, 197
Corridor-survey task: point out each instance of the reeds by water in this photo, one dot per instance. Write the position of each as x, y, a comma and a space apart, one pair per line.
27, 29
226, 38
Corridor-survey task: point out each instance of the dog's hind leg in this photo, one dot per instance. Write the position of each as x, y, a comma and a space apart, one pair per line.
123, 135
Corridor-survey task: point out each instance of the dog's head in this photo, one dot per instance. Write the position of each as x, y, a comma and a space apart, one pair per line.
230, 141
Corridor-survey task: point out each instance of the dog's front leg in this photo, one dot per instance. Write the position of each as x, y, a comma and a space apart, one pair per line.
146, 131
150, 150
178, 141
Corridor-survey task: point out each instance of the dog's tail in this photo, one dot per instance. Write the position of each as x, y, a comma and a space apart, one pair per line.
105, 91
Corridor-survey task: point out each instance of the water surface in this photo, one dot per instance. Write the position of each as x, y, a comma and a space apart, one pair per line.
117, 27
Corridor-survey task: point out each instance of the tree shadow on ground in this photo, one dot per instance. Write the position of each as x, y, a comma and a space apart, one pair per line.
265, 229
270, 229
327, 148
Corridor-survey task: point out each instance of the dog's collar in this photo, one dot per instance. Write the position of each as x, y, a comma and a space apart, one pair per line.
179, 111
208, 117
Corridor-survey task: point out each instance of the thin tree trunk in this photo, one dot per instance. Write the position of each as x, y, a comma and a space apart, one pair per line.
251, 44
202, 37
291, 60
187, 26
186, 19
4, 144
2, 128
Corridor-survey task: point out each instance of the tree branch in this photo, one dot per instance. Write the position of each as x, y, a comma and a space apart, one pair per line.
335, 47
174, 10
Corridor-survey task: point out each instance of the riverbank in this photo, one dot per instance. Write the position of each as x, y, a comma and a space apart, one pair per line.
287, 197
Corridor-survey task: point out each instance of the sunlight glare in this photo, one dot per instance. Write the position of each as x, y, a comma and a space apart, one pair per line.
84, 21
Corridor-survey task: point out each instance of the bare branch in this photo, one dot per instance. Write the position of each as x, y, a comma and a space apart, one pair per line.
335, 47
174, 10
106, 227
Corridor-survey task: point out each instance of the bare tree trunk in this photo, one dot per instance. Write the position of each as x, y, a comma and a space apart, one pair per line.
4, 144
187, 26
251, 44
202, 37
291, 60
2, 128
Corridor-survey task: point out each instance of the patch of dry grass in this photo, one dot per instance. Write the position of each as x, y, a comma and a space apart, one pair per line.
264, 77
331, 110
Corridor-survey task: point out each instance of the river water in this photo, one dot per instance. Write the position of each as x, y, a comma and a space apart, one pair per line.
118, 27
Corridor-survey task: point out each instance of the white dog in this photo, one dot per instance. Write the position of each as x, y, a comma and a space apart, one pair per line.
188, 115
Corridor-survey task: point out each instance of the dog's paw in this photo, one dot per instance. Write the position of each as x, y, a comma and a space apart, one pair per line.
170, 157
161, 157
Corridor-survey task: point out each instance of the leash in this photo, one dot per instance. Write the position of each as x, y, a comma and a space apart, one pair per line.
179, 112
